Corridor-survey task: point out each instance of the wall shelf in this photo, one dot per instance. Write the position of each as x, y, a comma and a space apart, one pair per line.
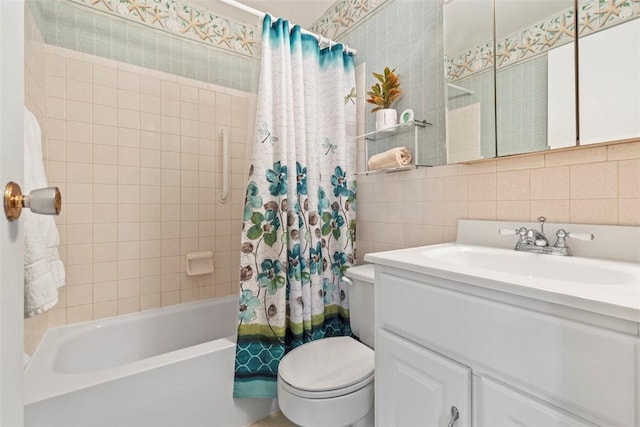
400, 135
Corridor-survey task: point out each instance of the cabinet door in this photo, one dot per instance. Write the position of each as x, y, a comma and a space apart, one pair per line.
499, 405
416, 387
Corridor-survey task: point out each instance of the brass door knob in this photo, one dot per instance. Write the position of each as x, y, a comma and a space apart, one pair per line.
44, 201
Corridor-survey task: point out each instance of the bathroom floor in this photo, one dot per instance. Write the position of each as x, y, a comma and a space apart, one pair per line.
275, 420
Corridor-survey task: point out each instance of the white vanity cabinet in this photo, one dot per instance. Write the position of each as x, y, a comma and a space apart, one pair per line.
500, 405
501, 359
421, 388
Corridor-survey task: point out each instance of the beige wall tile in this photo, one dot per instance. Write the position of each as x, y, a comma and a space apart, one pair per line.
432, 189
629, 211
79, 91
594, 211
105, 95
629, 178
574, 156
513, 210
128, 305
449, 234
79, 295
128, 81
477, 168
454, 188
432, 234
81, 313
486, 210
550, 183
105, 309
128, 100
628, 150
55, 65
482, 186
105, 76
531, 161
149, 302
594, 180
553, 210
440, 171
78, 70
512, 185
453, 211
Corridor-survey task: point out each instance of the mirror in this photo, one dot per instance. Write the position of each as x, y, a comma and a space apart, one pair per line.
469, 67
535, 75
609, 70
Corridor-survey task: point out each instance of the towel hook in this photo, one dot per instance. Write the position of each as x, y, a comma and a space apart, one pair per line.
44, 201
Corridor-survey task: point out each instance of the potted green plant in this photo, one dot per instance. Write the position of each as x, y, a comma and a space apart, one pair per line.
383, 94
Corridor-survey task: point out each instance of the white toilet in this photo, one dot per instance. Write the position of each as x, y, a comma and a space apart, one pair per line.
329, 382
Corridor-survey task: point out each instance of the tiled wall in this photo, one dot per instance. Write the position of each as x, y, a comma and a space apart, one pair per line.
137, 153
137, 156
73, 26
408, 36
588, 185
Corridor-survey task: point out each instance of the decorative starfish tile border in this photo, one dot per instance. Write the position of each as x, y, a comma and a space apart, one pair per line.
343, 16
593, 16
185, 20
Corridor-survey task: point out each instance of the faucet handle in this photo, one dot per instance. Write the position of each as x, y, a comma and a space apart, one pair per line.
521, 232
562, 235
581, 236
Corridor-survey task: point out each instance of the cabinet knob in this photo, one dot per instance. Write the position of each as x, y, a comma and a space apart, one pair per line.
454, 416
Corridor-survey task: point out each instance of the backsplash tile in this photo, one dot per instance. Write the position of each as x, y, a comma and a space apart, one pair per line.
576, 185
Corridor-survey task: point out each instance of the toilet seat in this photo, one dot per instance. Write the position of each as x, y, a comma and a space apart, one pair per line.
329, 367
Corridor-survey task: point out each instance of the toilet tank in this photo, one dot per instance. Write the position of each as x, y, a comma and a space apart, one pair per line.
361, 302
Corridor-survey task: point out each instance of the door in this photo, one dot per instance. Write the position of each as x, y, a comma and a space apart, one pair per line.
500, 405
416, 387
11, 165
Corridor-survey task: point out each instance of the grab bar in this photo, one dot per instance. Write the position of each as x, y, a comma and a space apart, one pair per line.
224, 196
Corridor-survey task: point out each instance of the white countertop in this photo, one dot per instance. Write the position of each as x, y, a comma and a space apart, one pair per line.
611, 288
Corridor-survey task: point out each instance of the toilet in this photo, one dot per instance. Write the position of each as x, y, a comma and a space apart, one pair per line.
329, 382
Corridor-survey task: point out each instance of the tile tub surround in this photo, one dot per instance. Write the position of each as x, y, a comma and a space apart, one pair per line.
596, 184
136, 153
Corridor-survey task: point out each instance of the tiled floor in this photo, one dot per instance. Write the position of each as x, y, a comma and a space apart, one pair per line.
275, 420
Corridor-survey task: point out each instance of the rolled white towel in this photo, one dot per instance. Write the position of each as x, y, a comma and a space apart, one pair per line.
396, 157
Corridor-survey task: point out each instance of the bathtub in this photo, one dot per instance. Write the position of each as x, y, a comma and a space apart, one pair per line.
171, 366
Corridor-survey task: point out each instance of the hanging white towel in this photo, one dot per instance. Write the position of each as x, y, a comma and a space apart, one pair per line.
43, 269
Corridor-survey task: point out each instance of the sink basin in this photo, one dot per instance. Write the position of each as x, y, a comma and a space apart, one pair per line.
467, 258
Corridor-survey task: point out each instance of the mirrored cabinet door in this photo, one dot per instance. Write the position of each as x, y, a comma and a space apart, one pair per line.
609, 70
469, 64
535, 75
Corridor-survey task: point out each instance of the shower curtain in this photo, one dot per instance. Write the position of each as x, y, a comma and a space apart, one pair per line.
298, 234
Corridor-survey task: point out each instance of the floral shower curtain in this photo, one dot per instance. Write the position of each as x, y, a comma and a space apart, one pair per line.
298, 235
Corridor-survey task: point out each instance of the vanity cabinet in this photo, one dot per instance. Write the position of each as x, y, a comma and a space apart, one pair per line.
421, 387
501, 359
500, 405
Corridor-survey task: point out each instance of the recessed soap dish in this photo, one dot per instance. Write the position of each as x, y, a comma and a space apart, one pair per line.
199, 263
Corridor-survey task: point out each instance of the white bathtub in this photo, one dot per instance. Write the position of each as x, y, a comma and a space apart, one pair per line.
167, 367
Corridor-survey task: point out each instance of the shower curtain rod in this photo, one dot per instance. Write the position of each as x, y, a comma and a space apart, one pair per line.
259, 14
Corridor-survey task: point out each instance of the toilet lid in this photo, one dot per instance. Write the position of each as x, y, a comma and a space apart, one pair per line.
327, 364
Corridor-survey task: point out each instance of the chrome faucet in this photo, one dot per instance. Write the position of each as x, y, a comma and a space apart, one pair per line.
536, 241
